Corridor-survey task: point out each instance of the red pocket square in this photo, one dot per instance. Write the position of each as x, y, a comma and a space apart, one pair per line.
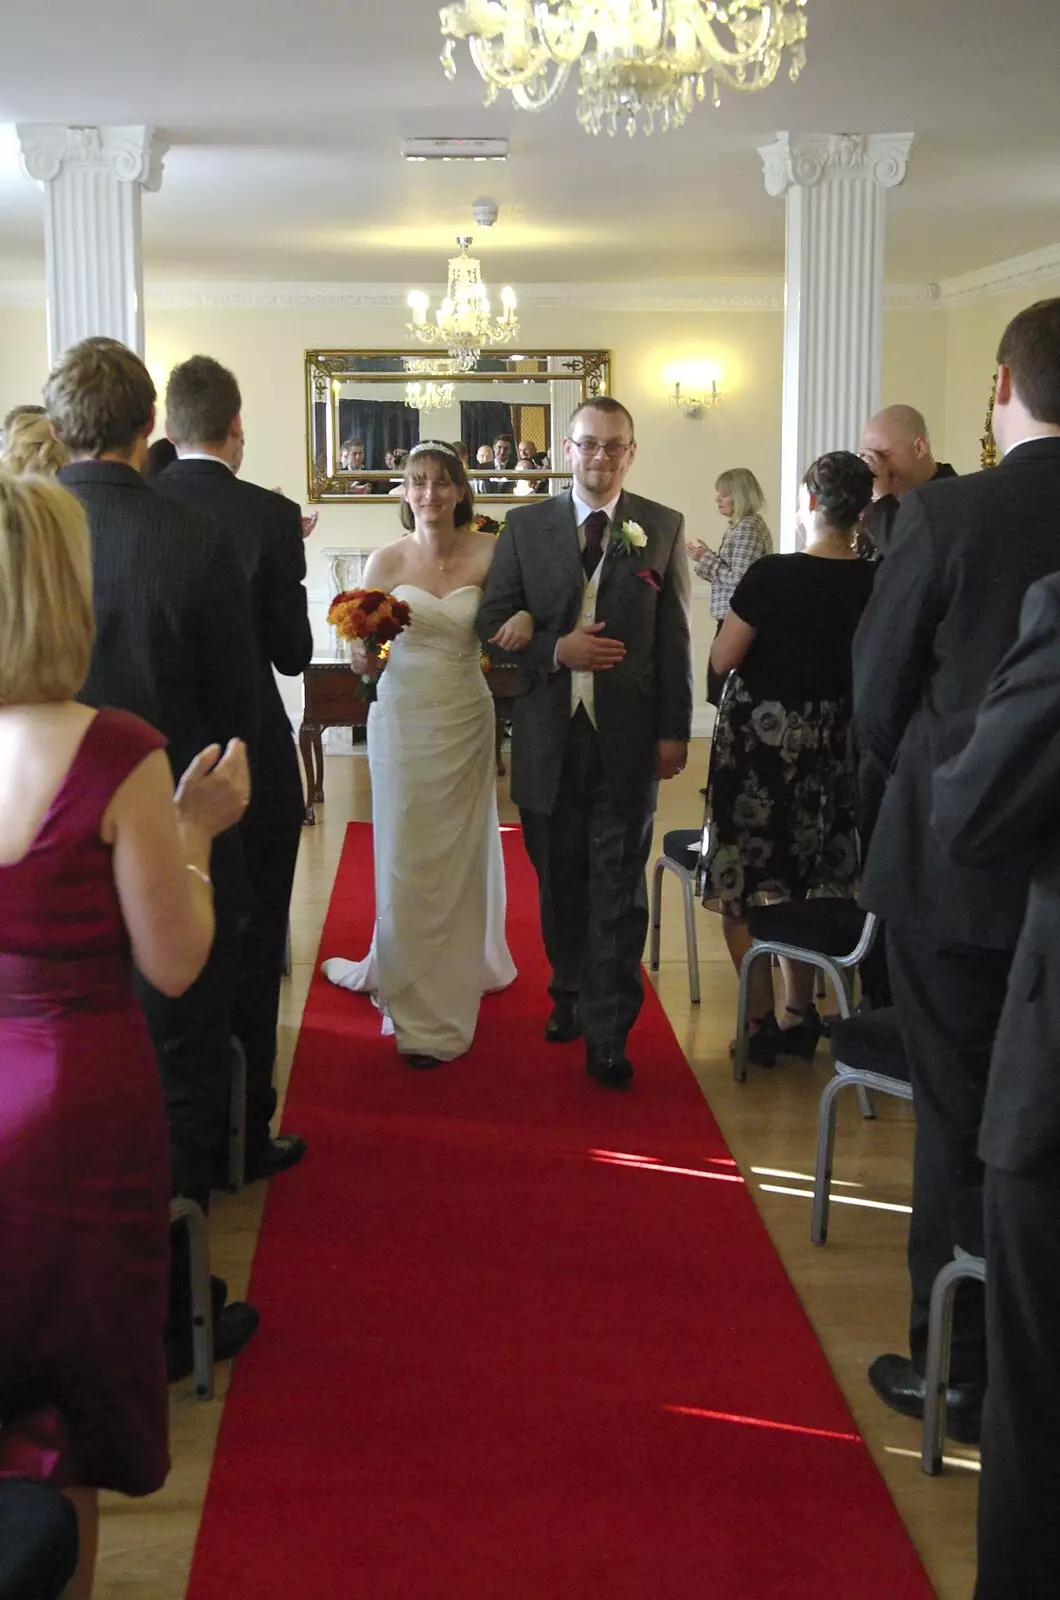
648, 575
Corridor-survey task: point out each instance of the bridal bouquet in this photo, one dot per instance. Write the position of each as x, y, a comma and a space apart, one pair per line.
370, 617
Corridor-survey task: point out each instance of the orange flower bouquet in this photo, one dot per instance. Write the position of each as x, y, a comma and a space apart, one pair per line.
370, 617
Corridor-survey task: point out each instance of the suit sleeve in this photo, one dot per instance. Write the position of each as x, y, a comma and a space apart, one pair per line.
673, 643
505, 594
995, 799
289, 638
894, 643
228, 687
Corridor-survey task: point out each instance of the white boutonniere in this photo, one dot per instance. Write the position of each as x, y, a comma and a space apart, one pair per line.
630, 536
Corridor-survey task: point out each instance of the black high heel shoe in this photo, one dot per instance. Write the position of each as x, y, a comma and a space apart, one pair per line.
801, 1040
764, 1041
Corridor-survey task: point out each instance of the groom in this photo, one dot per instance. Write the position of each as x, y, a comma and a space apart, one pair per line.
607, 713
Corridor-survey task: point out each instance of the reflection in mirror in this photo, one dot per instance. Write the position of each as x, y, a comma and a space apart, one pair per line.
509, 414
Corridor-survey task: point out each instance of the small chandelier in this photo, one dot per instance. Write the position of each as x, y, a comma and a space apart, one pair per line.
428, 395
463, 322
651, 59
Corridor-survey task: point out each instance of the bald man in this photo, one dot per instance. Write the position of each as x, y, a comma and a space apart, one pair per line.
896, 446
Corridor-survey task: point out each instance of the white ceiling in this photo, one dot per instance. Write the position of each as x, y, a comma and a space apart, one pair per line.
285, 121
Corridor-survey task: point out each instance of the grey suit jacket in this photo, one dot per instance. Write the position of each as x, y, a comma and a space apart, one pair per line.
644, 600
997, 805
944, 612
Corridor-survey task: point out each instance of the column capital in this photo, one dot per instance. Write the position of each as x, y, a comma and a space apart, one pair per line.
804, 161
132, 153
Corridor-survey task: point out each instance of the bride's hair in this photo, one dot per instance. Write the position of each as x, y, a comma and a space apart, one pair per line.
451, 464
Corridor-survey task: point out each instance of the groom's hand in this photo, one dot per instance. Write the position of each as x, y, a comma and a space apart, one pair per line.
670, 757
585, 651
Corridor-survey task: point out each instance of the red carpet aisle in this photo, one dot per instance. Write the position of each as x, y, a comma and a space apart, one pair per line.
519, 1335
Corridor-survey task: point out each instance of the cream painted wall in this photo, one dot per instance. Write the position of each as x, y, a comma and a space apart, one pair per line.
678, 458
973, 337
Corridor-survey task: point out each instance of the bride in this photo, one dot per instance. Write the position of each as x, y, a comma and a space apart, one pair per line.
439, 940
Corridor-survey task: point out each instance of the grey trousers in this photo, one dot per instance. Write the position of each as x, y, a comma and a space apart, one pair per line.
590, 857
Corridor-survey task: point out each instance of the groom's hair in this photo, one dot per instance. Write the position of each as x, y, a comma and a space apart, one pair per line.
609, 405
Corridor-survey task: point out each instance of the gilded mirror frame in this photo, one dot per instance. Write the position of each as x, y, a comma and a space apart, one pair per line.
592, 369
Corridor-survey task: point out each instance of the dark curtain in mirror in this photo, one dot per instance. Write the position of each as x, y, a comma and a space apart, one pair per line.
481, 421
382, 424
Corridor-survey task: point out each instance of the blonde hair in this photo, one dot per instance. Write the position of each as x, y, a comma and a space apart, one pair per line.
746, 491
45, 592
31, 446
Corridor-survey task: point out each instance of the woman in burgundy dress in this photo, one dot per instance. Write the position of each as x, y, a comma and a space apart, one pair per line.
99, 868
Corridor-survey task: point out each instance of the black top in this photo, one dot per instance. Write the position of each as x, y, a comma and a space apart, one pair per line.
877, 525
806, 610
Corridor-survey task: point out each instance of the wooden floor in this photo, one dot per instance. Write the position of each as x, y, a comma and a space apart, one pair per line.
854, 1289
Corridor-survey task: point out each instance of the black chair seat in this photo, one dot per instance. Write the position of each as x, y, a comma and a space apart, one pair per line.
682, 845
870, 1041
831, 926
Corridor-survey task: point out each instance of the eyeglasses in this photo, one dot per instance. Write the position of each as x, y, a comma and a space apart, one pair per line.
614, 451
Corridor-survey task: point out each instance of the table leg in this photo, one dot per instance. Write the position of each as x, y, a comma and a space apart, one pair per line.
308, 740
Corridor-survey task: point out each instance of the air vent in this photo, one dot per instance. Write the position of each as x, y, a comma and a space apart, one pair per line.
454, 149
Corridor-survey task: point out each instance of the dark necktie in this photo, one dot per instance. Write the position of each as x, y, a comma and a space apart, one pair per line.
593, 528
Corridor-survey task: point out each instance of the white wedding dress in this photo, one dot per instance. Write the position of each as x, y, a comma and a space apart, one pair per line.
439, 940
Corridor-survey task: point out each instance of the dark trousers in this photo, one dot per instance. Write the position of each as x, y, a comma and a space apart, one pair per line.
38, 1541
1019, 1490
949, 1003
590, 857
270, 844
715, 680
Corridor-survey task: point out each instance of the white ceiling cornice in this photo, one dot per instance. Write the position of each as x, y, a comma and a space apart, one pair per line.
754, 294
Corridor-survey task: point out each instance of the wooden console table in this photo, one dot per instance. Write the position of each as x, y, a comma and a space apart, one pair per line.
331, 701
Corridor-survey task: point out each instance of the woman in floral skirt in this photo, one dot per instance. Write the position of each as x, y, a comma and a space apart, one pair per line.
783, 800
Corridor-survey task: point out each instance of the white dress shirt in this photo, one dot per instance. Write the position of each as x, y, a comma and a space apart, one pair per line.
201, 455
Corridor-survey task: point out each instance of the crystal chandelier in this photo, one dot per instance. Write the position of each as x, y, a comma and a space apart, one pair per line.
650, 60
429, 396
463, 322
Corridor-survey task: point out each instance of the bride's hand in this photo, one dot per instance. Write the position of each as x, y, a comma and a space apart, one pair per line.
516, 633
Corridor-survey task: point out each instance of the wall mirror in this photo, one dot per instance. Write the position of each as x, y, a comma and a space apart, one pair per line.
365, 407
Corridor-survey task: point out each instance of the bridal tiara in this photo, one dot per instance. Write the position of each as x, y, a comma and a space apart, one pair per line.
435, 445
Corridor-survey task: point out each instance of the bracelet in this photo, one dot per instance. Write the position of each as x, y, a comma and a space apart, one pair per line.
203, 877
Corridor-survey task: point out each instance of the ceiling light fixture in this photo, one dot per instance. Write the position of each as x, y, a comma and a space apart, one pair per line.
650, 60
463, 321
442, 149
429, 396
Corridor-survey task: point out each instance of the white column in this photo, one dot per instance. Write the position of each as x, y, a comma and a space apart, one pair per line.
835, 188
93, 181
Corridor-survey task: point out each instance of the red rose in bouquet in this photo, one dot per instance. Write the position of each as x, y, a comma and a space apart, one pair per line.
372, 618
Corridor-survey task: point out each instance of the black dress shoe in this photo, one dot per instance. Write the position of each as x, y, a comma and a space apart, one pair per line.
233, 1328
420, 1062
614, 1072
900, 1386
274, 1156
564, 1023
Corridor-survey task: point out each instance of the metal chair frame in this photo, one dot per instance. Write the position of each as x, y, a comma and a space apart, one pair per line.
237, 1119
689, 881
838, 969
963, 1268
181, 1209
845, 1078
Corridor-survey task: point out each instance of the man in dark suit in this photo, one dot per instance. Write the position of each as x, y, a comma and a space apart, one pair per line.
896, 446
174, 644
203, 418
607, 713
996, 807
944, 611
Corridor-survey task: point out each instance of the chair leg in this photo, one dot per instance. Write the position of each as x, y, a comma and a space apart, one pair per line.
656, 915
288, 962
937, 1378
844, 993
184, 1210
237, 1119
739, 1054
691, 940
822, 1180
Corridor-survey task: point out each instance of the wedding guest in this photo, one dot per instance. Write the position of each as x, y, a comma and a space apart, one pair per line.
352, 459
98, 868
503, 456
160, 455
896, 446
484, 458
19, 411
995, 807
204, 420
783, 802
739, 499
174, 644
944, 612
31, 446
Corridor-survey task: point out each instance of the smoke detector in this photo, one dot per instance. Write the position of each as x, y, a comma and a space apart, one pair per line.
484, 213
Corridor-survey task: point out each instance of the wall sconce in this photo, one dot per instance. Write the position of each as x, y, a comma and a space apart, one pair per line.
694, 405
